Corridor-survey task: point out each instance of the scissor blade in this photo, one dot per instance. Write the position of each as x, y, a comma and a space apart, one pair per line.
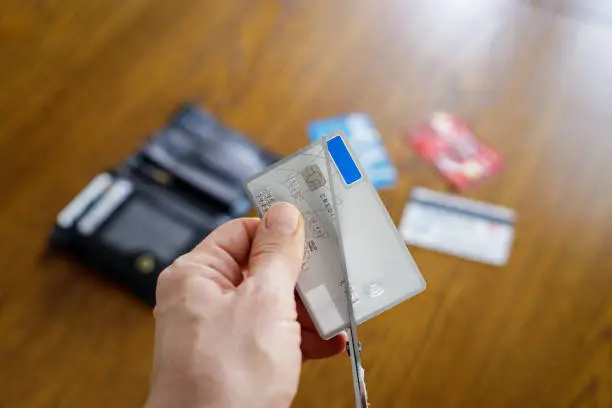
353, 345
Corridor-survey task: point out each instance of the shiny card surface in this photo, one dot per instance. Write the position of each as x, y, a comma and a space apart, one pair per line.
381, 271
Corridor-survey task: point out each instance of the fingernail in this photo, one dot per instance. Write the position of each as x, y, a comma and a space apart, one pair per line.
282, 218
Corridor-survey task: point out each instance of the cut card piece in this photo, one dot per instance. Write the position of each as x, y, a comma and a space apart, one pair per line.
449, 144
458, 226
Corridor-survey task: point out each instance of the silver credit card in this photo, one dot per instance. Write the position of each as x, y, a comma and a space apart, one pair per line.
381, 271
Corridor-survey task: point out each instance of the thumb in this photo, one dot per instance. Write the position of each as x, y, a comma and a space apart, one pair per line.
278, 248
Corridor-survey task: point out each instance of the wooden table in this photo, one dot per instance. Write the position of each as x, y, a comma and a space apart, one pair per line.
83, 83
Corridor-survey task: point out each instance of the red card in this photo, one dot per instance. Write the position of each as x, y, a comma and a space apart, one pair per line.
449, 144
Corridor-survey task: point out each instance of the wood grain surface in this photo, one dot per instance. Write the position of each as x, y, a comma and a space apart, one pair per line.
83, 83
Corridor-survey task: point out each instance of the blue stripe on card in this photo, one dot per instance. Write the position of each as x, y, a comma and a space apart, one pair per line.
463, 211
344, 162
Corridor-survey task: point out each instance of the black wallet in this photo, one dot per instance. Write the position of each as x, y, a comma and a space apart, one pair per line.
133, 221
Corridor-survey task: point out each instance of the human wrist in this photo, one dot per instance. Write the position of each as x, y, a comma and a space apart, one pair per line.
187, 393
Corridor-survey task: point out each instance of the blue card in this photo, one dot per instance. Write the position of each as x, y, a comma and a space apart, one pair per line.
365, 142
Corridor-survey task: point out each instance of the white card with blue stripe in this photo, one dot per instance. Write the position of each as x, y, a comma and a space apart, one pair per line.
458, 226
381, 271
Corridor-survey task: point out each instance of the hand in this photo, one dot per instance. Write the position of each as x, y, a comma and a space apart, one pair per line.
228, 329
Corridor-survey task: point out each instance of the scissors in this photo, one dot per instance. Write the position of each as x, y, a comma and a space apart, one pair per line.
353, 347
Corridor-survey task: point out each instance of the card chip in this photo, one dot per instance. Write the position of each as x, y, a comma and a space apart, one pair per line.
314, 177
